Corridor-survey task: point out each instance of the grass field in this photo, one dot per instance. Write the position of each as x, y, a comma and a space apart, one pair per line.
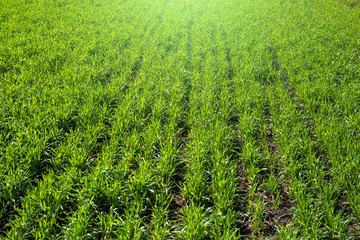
164, 119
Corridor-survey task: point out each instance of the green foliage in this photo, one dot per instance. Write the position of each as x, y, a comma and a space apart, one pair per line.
182, 119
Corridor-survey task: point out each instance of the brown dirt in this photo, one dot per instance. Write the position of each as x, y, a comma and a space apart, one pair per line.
176, 204
240, 206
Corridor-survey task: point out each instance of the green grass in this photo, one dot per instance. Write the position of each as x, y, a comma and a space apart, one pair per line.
182, 119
